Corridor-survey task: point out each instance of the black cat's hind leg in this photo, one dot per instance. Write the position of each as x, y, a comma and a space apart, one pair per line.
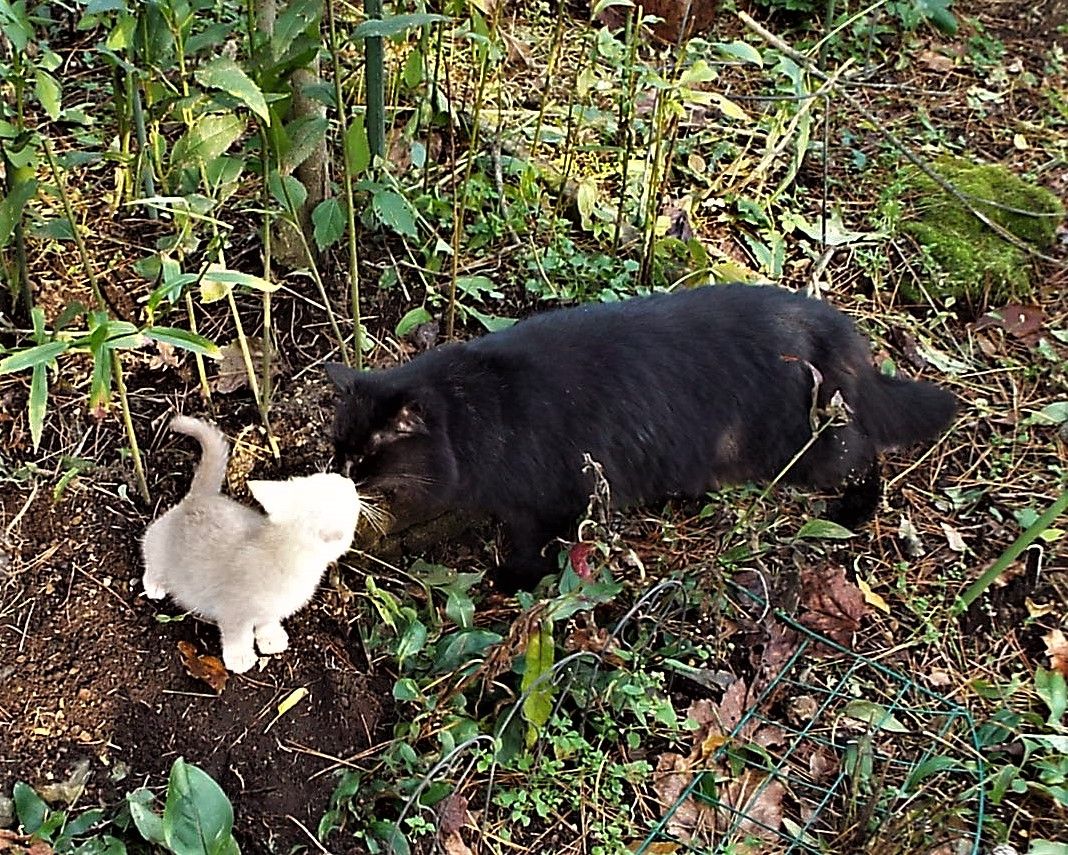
531, 553
858, 500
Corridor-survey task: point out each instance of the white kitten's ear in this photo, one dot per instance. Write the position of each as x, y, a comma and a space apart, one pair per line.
273, 497
343, 377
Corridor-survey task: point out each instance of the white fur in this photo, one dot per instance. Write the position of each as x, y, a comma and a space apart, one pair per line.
246, 571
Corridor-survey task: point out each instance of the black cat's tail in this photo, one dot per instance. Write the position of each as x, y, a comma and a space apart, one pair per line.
215, 451
896, 412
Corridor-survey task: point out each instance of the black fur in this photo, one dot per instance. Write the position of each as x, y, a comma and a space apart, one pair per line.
673, 394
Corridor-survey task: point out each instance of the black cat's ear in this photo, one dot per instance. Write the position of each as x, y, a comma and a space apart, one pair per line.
343, 377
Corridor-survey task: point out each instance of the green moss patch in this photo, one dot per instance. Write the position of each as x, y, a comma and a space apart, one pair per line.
975, 262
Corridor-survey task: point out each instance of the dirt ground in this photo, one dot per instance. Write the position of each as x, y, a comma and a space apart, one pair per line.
88, 672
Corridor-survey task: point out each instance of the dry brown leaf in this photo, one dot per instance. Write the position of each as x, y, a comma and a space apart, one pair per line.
680, 18
936, 61
673, 775
782, 643
200, 666
758, 799
833, 604
1021, 322
953, 538
1057, 651
659, 848
17, 844
822, 764
232, 373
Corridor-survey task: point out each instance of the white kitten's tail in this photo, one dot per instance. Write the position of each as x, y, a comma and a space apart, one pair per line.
215, 451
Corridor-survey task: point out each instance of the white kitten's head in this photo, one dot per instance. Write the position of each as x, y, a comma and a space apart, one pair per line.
325, 506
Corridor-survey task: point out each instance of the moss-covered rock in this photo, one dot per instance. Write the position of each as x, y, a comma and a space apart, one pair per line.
975, 262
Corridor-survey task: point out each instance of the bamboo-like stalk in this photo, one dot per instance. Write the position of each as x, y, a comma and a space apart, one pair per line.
376, 85
98, 298
350, 203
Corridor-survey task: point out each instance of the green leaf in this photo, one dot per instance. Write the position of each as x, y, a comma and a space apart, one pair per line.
412, 318
874, 714
208, 138
412, 641
11, 207
329, 222
49, 93
198, 817
586, 199
38, 403
493, 323
225, 74
297, 19
462, 647
31, 357
824, 530
741, 50
406, 689
392, 25
393, 210
460, 609
538, 661
931, 766
357, 148
1051, 414
148, 822
287, 185
1052, 689
304, 136
937, 12
30, 808
184, 339
83, 822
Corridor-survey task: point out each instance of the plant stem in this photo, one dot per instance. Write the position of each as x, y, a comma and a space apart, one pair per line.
98, 296
1011, 554
205, 389
347, 179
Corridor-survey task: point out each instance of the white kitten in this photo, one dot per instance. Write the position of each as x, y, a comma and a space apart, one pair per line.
238, 568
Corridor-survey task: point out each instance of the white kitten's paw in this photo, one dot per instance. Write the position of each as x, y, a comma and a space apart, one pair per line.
239, 660
271, 639
153, 590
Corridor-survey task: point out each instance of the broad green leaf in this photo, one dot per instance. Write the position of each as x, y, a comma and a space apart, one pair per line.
413, 69
729, 108
83, 822
30, 808
15, 24
184, 339
1051, 414
198, 817
699, 72
463, 647
11, 207
874, 714
586, 200
304, 136
208, 138
538, 661
493, 323
357, 148
40, 354
937, 12
99, 7
460, 609
287, 191
741, 50
1053, 690
412, 641
824, 530
392, 25
412, 318
406, 689
329, 222
148, 822
38, 403
49, 93
225, 74
295, 20
393, 210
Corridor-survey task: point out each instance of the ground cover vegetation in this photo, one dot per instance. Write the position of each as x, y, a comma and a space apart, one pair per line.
203, 202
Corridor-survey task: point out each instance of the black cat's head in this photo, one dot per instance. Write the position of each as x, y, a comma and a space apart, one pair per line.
382, 433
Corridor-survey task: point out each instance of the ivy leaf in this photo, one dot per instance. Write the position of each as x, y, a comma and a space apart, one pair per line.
412, 319
225, 74
329, 222
537, 685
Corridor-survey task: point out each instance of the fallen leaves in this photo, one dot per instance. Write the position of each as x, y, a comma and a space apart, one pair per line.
748, 804
17, 844
832, 604
200, 666
1057, 651
1022, 322
452, 817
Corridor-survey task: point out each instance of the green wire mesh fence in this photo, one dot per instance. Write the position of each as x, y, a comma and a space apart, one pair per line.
837, 754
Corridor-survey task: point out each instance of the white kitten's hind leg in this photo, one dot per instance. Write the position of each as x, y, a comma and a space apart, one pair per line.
271, 638
238, 653
154, 589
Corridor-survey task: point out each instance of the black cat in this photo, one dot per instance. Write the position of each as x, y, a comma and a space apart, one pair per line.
673, 395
